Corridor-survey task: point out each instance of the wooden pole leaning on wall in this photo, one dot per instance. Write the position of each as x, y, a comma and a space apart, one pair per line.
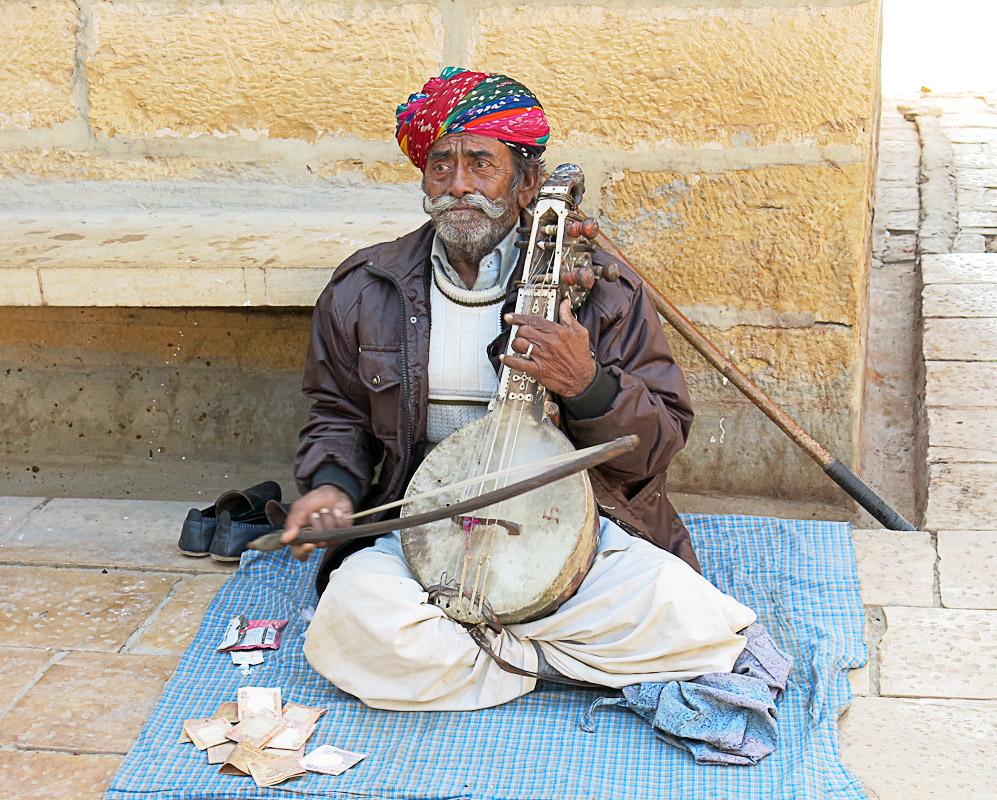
856, 488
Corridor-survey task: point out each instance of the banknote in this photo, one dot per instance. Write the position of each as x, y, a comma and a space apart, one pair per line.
301, 713
257, 729
253, 699
293, 736
219, 753
236, 764
299, 753
205, 733
330, 760
270, 772
228, 710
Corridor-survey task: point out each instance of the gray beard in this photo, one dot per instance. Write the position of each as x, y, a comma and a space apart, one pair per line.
472, 239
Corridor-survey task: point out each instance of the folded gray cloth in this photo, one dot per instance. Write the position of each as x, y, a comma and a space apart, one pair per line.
721, 717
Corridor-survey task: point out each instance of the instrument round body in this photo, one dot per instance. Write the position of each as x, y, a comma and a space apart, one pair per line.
526, 574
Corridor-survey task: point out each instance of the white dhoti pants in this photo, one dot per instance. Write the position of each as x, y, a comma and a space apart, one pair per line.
640, 614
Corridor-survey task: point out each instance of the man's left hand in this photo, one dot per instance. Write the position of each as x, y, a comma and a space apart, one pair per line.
560, 359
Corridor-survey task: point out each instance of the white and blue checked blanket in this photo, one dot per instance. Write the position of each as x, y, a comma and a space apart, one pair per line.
799, 576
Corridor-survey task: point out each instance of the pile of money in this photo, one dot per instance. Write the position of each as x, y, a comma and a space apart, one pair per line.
256, 736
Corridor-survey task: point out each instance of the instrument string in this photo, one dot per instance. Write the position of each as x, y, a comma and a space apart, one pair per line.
539, 267
500, 437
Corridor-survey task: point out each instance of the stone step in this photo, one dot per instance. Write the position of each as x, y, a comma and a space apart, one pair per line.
938, 652
895, 567
978, 219
969, 134
172, 258
960, 339
961, 497
967, 568
963, 434
967, 300
985, 178
959, 268
922, 749
960, 383
121, 534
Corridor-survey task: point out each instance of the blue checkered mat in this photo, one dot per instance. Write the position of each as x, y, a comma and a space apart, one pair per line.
798, 576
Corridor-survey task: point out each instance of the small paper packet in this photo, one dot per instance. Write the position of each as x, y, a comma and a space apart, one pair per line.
330, 760
255, 699
251, 634
246, 657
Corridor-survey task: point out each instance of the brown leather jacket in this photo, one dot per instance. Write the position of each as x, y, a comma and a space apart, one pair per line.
366, 375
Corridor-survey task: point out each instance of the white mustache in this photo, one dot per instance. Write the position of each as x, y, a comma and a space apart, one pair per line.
445, 202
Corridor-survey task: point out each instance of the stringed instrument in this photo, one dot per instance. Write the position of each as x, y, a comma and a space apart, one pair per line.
518, 559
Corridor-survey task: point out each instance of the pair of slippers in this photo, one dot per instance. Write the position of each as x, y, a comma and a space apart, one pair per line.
237, 517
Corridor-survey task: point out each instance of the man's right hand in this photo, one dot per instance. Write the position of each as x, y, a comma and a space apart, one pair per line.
324, 508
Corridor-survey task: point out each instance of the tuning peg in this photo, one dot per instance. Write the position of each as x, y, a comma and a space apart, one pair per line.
583, 277
588, 227
610, 272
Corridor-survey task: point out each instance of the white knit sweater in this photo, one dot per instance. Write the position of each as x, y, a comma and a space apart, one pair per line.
461, 379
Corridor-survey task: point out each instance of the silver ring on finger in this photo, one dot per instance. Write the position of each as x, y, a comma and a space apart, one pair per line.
529, 352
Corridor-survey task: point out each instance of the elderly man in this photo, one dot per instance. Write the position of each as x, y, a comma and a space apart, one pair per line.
386, 385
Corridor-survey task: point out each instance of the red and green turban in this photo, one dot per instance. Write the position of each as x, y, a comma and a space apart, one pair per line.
471, 102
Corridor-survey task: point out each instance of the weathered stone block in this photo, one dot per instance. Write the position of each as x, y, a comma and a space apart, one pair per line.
76, 608
264, 69
162, 387
104, 533
806, 365
938, 652
959, 268
909, 749
970, 300
135, 164
69, 708
691, 76
192, 258
960, 339
968, 568
13, 510
734, 448
978, 219
786, 238
963, 434
961, 497
960, 383
860, 681
969, 243
18, 669
895, 567
177, 621
243, 339
33, 775
38, 41
19, 286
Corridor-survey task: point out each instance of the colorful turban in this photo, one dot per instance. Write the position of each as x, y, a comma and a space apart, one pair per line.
473, 102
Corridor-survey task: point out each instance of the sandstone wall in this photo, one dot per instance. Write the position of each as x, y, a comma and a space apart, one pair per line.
159, 158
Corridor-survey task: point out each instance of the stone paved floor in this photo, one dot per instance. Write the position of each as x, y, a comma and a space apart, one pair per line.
96, 605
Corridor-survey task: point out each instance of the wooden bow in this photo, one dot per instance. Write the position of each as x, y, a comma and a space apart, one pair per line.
582, 459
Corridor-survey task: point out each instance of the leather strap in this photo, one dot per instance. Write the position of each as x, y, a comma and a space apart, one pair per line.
478, 634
